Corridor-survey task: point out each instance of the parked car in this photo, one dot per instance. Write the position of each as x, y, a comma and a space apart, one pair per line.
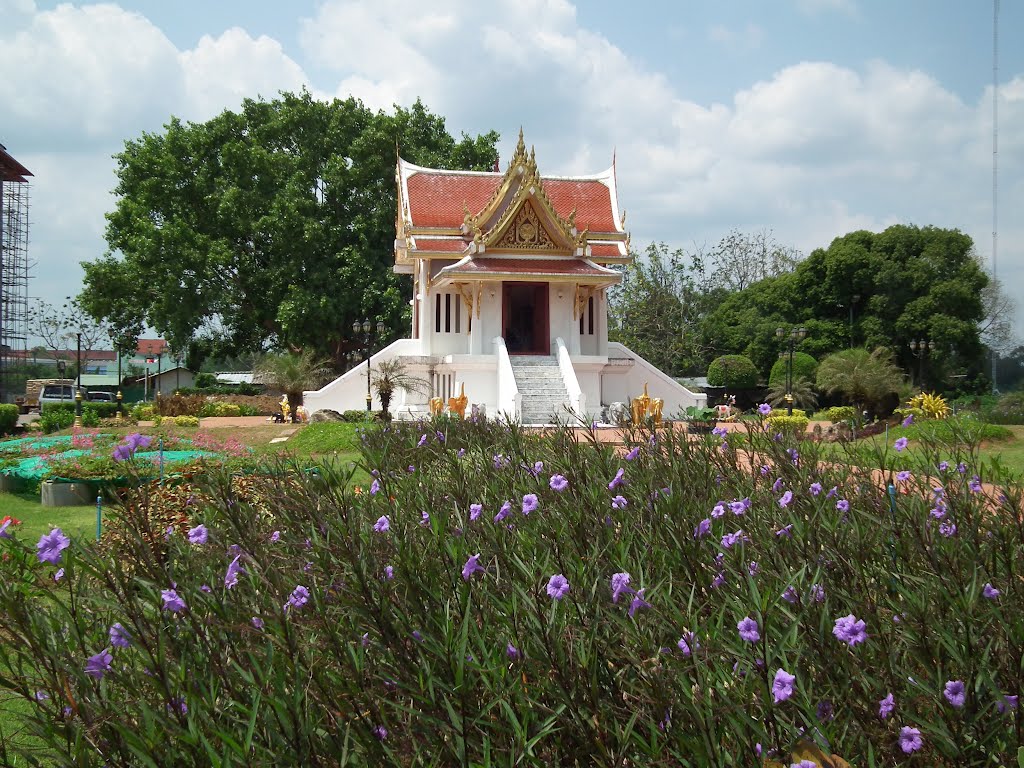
100, 397
55, 393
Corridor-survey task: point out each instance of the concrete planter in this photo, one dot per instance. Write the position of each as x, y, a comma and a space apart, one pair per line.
10, 484
67, 494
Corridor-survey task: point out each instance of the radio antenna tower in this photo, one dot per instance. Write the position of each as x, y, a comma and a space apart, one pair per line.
995, 161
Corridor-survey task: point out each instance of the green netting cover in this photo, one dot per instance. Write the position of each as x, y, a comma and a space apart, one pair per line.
34, 467
38, 443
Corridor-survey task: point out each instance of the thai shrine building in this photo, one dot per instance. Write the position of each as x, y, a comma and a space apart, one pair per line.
510, 279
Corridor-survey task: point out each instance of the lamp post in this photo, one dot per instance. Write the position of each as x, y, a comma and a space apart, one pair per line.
363, 331
78, 388
919, 348
794, 335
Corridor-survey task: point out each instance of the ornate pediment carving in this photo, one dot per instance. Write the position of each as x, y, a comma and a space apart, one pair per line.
526, 232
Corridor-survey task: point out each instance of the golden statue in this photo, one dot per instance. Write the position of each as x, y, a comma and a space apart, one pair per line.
654, 410
286, 410
458, 404
436, 406
639, 405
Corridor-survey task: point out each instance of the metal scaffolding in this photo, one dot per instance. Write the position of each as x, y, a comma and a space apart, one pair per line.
14, 270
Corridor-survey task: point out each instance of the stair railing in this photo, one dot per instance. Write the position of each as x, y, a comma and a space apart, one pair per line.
510, 402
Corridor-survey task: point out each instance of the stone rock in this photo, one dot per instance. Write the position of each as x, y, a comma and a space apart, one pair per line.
325, 415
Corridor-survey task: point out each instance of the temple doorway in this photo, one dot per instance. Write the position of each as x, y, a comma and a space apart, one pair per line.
524, 318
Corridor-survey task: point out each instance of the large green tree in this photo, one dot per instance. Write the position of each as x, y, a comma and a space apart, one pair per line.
871, 289
270, 226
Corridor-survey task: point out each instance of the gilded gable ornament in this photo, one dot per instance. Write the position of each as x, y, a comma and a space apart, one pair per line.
526, 233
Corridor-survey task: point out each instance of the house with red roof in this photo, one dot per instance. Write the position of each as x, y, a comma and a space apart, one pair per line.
510, 278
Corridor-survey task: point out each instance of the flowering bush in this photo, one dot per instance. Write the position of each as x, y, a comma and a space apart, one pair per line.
781, 422
497, 596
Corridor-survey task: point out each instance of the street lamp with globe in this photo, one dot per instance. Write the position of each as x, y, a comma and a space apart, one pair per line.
795, 335
363, 332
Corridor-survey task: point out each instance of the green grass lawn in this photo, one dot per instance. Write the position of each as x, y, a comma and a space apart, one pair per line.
37, 519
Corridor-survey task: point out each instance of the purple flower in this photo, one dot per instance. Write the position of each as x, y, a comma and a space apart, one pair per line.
786, 498
1008, 703
782, 686
703, 528
620, 585
257, 622
234, 569
938, 511
98, 665
298, 598
749, 630
633, 454
424, 518
815, 489
383, 524
786, 530
558, 586
172, 601
475, 510
119, 636
529, 503
764, 409
804, 764
974, 484
558, 483
688, 643
380, 732
375, 487
729, 539
638, 603
7, 522
817, 593
900, 444
961, 468
989, 591
718, 511
422, 441
198, 535
512, 652
790, 595
902, 476
275, 536
500, 462
538, 467
59, 574
619, 502
910, 739
908, 421
739, 507
617, 480
753, 568
947, 529
51, 545
506, 508
955, 693
777, 485
843, 505
472, 566
389, 572
886, 706
850, 630
719, 431
943, 466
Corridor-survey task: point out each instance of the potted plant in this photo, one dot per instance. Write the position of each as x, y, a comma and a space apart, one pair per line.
700, 421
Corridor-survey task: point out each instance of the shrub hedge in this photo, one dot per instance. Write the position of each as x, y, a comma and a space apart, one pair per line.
804, 367
8, 418
733, 372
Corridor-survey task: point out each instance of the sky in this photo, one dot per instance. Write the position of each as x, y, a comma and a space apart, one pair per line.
806, 118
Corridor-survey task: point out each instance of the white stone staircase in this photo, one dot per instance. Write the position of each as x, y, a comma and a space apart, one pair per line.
543, 393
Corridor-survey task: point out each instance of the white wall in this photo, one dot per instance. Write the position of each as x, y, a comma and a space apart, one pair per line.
621, 387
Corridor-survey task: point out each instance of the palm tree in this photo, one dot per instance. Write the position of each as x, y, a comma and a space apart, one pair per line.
862, 377
292, 374
392, 374
804, 396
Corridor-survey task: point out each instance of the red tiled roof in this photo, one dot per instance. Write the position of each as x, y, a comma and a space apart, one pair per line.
440, 245
11, 169
436, 199
605, 250
484, 266
149, 347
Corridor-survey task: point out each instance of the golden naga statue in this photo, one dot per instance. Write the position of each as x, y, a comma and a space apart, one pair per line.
436, 406
458, 404
644, 407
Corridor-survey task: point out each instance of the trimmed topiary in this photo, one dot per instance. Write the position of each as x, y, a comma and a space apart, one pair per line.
8, 418
804, 367
732, 371
795, 424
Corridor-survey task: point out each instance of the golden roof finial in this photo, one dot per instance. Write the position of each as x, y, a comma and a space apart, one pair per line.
521, 144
